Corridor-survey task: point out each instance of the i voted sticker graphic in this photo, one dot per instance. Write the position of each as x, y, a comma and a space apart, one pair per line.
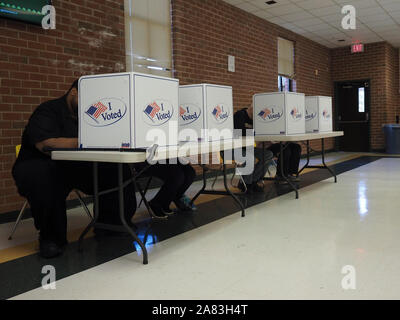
269, 114
219, 113
105, 112
158, 112
189, 113
296, 114
326, 115
310, 114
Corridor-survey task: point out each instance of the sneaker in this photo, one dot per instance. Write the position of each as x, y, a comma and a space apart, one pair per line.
157, 210
168, 211
293, 178
184, 204
49, 249
280, 180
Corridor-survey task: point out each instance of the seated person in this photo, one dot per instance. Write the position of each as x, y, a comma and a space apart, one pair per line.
291, 161
46, 183
243, 119
177, 179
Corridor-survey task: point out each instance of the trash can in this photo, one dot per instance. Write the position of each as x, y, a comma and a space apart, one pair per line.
392, 138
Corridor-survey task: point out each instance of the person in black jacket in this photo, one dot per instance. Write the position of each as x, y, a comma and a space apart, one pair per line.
243, 119
46, 183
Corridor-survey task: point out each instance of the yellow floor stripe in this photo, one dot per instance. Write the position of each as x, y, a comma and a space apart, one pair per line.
29, 248
347, 158
73, 235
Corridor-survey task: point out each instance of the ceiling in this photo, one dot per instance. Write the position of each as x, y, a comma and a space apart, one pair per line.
321, 20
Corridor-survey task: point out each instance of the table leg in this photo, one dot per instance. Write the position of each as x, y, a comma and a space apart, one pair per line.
229, 191
323, 160
95, 205
308, 158
146, 203
282, 172
122, 213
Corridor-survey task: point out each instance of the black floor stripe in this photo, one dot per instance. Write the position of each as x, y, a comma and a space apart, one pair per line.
24, 274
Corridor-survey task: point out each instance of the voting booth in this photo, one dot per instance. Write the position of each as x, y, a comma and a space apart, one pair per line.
205, 112
127, 110
318, 114
279, 113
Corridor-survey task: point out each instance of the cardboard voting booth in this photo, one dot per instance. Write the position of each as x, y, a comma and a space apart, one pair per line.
127, 110
205, 112
318, 114
279, 113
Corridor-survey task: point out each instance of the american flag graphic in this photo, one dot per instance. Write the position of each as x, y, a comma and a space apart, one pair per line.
181, 111
96, 110
151, 110
264, 113
217, 111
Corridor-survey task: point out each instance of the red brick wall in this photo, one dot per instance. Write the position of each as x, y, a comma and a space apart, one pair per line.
206, 32
379, 63
392, 83
37, 65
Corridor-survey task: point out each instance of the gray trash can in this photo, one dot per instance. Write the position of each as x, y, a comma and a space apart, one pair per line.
392, 138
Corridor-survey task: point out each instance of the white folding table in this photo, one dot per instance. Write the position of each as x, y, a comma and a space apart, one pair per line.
126, 156
284, 140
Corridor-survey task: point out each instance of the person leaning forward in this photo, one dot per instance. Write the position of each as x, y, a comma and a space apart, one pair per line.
46, 183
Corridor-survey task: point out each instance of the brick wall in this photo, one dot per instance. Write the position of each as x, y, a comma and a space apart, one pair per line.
392, 83
206, 32
379, 63
37, 65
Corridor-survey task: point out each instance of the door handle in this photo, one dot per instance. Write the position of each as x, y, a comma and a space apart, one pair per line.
367, 116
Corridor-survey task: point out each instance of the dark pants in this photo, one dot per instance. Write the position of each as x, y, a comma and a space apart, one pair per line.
260, 168
177, 179
47, 183
291, 158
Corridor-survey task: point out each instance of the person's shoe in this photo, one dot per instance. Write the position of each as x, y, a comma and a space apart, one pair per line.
255, 187
169, 211
293, 178
157, 210
49, 249
61, 243
280, 180
184, 204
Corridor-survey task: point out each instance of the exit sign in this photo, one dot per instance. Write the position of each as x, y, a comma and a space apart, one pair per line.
356, 48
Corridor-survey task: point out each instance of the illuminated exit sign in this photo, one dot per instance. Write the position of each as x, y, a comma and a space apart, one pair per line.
356, 48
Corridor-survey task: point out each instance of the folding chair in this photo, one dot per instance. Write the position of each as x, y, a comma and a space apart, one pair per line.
22, 211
